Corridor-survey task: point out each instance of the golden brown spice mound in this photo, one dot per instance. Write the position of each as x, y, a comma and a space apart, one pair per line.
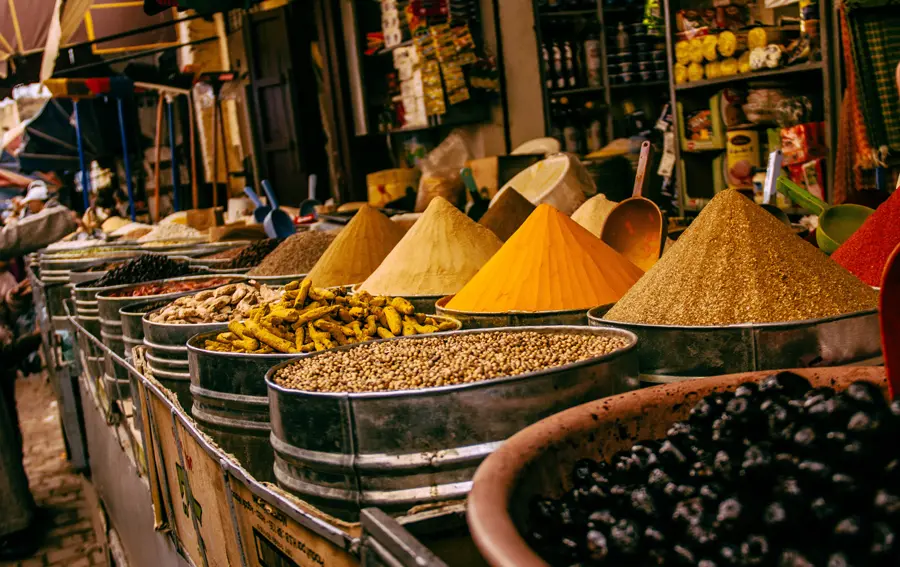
738, 264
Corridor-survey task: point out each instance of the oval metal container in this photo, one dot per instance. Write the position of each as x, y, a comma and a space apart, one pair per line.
472, 320
396, 450
110, 319
537, 462
132, 317
670, 354
231, 403
239, 271
275, 281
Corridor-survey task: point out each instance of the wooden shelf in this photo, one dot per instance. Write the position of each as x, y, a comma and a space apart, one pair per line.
640, 84
582, 90
568, 14
386, 50
802, 68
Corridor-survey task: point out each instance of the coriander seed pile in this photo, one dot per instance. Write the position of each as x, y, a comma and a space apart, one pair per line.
442, 361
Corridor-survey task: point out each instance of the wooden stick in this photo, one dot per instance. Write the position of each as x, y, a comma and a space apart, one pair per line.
16, 28
195, 191
159, 117
215, 139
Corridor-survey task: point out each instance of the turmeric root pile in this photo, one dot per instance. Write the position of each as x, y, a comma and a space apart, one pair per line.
309, 319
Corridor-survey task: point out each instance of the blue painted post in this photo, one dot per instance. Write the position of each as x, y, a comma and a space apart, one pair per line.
175, 174
85, 174
127, 159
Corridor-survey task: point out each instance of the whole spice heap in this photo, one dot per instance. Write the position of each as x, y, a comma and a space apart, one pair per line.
550, 264
96, 252
775, 474
592, 214
219, 305
867, 251
358, 249
226, 254
738, 264
439, 254
310, 319
442, 361
160, 288
170, 231
507, 213
144, 268
294, 256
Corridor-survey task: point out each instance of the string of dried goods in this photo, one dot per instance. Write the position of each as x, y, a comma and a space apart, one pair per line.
219, 305
772, 474
296, 255
737, 264
144, 268
308, 319
159, 288
442, 360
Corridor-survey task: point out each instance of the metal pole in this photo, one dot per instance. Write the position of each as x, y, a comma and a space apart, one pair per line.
175, 175
85, 176
120, 104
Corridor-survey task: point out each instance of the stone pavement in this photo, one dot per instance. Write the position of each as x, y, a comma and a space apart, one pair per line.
69, 537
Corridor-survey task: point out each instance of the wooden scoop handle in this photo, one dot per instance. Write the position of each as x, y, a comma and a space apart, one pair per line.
640, 179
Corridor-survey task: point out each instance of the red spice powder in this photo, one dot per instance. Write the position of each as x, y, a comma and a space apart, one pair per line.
867, 251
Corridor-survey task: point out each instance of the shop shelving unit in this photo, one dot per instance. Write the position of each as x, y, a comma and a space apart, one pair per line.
817, 83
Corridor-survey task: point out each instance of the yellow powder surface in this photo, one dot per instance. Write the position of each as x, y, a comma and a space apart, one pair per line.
737, 264
592, 214
358, 249
550, 264
439, 254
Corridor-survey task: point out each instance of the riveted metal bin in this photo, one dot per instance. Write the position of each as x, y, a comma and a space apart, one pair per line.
395, 450
472, 320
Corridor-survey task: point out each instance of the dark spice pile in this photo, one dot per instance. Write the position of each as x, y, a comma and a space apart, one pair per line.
144, 268
867, 251
507, 214
773, 474
296, 255
252, 254
738, 264
224, 254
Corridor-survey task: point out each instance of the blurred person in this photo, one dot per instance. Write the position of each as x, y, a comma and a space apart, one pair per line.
46, 222
37, 198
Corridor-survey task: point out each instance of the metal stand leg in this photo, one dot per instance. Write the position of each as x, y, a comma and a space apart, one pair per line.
85, 175
175, 174
127, 159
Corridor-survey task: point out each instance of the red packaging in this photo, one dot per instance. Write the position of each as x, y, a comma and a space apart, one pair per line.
803, 142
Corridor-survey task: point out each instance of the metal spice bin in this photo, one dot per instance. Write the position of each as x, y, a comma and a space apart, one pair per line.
399, 449
671, 353
473, 320
115, 376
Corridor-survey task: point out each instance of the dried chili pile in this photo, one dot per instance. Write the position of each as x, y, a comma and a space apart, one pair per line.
867, 251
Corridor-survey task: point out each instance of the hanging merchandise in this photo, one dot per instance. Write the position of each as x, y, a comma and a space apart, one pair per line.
653, 19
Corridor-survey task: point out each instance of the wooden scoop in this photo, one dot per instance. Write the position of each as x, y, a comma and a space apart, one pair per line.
636, 228
890, 320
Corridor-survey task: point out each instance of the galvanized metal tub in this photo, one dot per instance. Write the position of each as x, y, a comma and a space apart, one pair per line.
231, 403
671, 354
167, 354
397, 450
109, 308
471, 320
275, 281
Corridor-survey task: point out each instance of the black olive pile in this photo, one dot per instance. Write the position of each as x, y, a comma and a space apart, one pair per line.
144, 268
775, 474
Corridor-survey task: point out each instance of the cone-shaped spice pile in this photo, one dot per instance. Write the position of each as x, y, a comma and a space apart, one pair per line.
439, 254
738, 264
550, 264
507, 213
592, 214
867, 251
357, 250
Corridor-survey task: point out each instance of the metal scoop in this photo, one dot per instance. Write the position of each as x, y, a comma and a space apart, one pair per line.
772, 172
261, 211
636, 228
278, 224
836, 224
890, 320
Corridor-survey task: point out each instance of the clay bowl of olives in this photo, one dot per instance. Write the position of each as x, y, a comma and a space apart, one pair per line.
789, 468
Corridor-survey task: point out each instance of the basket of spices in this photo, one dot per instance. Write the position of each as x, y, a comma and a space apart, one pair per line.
289, 261
227, 366
550, 272
747, 469
404, 422
739, 291
442, 251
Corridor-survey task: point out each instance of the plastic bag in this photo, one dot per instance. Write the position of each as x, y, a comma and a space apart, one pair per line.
440, 171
